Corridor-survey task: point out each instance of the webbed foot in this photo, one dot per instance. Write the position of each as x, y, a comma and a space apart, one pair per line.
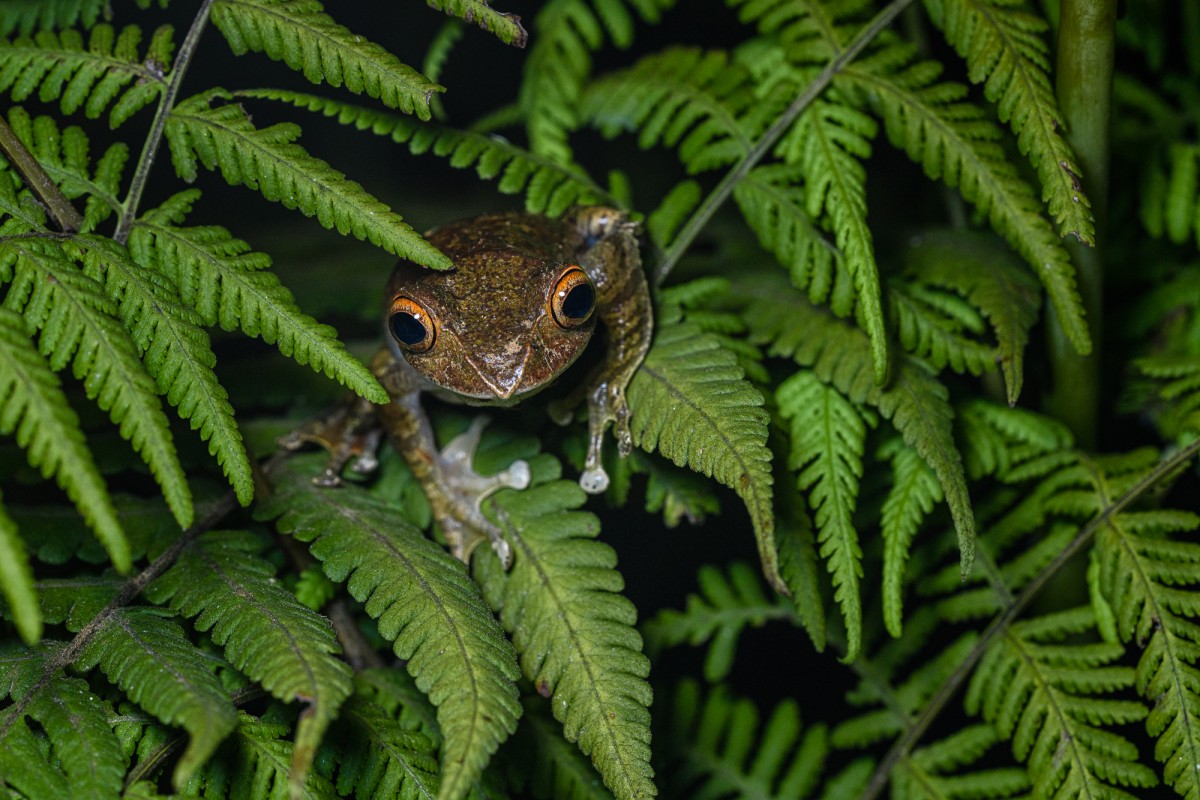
351, 432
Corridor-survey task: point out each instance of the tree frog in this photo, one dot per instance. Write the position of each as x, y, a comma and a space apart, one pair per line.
518, 307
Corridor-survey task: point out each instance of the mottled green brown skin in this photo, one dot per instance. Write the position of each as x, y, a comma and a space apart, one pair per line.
497, 343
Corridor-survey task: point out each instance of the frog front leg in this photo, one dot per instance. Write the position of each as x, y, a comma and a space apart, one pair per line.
455, 490
613, 262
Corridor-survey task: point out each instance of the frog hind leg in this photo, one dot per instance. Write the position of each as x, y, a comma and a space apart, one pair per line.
350, 432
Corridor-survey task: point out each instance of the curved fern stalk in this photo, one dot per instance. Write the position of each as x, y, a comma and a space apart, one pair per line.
549, 188
90, 76
1045, 697
424, 602
915, 491
1005, 51
34, 408
26, 16
151, 659
914, 400
175, 350
566, 33
1003, 292
16, 577
573, 631
690, 402
77, 323
265, 632
378, 758
230, 285
828, 435
954, 142
724, 754
270, 161
506, 27
74, 722
64, 156
725, 606
300, 34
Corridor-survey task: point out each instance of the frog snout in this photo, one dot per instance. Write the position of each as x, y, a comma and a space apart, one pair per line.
501, 375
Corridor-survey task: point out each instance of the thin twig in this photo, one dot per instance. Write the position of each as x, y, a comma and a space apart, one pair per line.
65, 216
723, 189
146, 160
950, 687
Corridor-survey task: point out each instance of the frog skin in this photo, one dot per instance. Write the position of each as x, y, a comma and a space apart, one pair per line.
518, 307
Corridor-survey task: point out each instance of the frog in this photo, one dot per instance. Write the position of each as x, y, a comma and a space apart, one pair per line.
520, 304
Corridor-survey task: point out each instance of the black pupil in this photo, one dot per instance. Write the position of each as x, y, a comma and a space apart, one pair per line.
408, 328
578, 302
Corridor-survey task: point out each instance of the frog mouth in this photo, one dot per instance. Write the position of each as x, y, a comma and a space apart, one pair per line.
501, 390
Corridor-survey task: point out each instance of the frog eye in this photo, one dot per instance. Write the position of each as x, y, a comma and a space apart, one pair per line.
573, 298
413, 326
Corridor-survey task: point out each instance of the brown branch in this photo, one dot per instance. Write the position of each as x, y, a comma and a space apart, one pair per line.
65, 216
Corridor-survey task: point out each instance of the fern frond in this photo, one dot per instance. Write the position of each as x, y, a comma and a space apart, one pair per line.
828, 435
798, 566
26, 765
265, 632
724, 754
64, 156
566, 33
300, 34
77, 323
682, 97
725, 607
1047, 697
425, 602
269, 161
151, 659
573, 630
378, 759
395, 691
772, 200
1003, 292
923, 774
1005, 51
938, 326
914, 400
549, 187
1177, 384
954, 142
175, 350
1008, 442
47, 429
1171, 193
915, 491
16, 578
230, 285
556, 769
73, 721
690, 401
26, 16
506, 27
91, 75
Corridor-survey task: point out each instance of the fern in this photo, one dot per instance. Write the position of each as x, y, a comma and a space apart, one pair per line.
265, 632
938, 326
714, 737
378, 758
1171, 193
77, 323
557, 770
425, 603
915, 491
827, 439
690, 402
16, 578
26, 16
567, 31
301, 35
506, 27
572, 629
151, 659
1177, 380
725, 606
270, 161
924, 773
549, 188
89, 75
229, 285
915, 401
1033, 689
1005, 51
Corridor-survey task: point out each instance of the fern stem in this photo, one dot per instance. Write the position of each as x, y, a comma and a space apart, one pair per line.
721, 192
1084, 87
65, 216
904, 745
146, 160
